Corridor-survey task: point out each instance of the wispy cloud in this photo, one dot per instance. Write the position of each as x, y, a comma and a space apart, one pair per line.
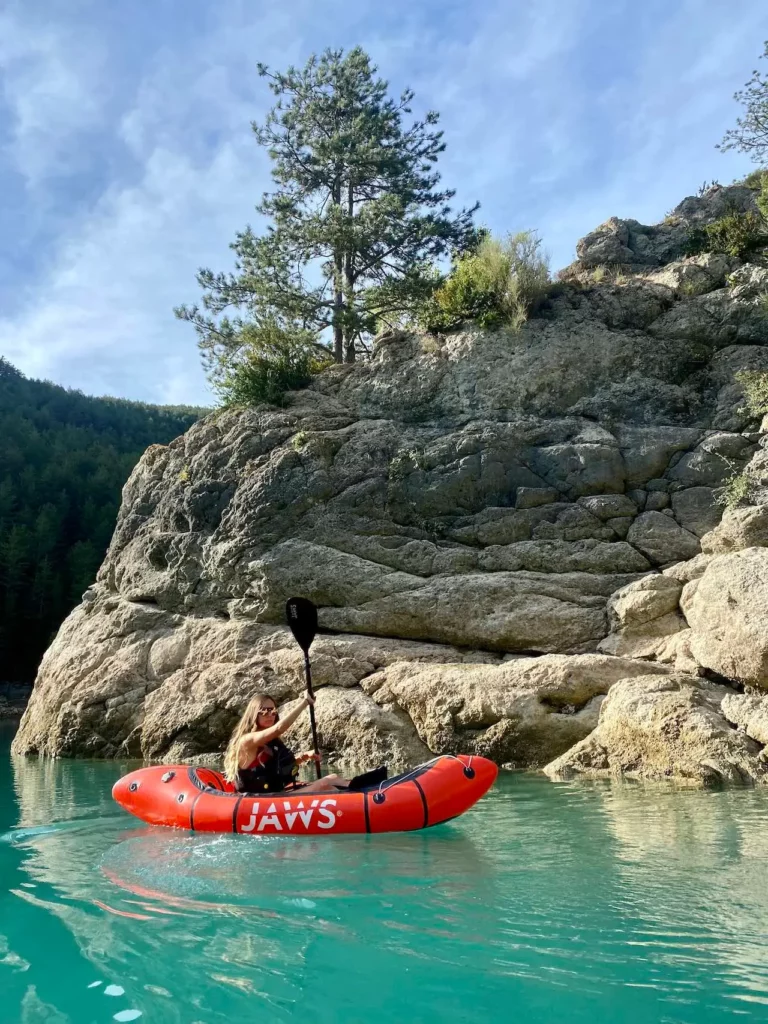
100, 318
53, 81
127, 144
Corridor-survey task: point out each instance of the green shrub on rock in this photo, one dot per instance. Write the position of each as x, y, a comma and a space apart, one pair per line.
500, 283
258, 380
737, 234
471, 292
756, 178
269, 361
755, 386
738, 488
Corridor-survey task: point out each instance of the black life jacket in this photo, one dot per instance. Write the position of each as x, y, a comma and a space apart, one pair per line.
273, 770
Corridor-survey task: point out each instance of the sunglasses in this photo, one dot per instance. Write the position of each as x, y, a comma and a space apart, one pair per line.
267, 711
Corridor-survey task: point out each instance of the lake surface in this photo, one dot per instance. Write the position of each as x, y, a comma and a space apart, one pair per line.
591, 902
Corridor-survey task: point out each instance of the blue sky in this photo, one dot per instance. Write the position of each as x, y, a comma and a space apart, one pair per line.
127, 160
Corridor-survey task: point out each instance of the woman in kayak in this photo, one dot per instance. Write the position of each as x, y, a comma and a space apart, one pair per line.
257, 760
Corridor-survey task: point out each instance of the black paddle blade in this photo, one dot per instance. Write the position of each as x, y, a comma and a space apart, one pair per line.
302, 618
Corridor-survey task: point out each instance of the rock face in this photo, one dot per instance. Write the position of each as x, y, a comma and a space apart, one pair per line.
663, 728
639, 245
461, 509
517, 713
642, 615
740, 528
728, 611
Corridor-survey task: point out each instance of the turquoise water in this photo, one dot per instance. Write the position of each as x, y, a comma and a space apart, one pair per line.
578, 902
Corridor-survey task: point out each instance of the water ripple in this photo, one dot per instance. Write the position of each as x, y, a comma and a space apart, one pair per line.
579, 902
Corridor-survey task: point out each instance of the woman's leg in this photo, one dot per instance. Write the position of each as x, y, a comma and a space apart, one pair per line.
329, 783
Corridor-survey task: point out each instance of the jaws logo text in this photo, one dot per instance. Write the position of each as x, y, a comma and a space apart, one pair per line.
282, 819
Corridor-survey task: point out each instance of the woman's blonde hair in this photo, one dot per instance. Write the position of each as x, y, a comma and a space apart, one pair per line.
249, 722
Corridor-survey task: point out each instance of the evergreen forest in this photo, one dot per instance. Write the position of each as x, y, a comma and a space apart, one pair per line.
64, 458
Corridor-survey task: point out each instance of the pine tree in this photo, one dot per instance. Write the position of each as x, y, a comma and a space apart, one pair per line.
356, 223
751, 132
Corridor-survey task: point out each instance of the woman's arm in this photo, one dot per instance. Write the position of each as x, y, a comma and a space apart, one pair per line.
253, 741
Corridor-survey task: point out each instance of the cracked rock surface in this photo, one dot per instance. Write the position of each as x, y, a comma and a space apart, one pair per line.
495, 527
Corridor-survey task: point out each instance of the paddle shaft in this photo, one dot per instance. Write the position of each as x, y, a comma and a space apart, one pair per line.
313, 724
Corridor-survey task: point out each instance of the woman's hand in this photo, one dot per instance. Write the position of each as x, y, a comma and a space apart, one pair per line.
308, 755
287, 720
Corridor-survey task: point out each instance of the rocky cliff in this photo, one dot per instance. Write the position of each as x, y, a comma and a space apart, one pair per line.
499, 528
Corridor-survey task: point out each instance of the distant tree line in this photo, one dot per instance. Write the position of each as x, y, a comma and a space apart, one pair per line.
64, 458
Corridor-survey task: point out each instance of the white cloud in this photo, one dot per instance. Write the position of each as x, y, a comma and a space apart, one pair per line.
104, 320
53, 85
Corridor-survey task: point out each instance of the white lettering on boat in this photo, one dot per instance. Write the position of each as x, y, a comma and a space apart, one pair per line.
276, 819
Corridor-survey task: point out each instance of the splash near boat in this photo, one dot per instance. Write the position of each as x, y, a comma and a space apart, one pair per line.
202, 800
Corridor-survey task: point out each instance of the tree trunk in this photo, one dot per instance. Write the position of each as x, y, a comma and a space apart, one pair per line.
338, 308
349, 350
338, 286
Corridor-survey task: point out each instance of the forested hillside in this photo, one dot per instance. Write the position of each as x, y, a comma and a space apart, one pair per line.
64, 458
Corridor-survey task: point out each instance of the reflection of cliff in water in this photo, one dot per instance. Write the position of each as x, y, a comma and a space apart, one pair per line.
666, 837
49, 790
68, 827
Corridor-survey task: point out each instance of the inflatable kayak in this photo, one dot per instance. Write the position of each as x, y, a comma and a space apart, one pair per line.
202, 800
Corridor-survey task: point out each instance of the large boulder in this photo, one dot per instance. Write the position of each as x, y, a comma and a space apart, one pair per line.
355, 732
712, 461
646, 601
695, 275
727, 609
739, 528
731, 411
642, 616
607, 244
749, 713
665, 728
715, 202
661, 539
720, 317
684, 572
521, 713
696, 510
639, 245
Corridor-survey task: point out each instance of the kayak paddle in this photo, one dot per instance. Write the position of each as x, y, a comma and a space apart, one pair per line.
302, 618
